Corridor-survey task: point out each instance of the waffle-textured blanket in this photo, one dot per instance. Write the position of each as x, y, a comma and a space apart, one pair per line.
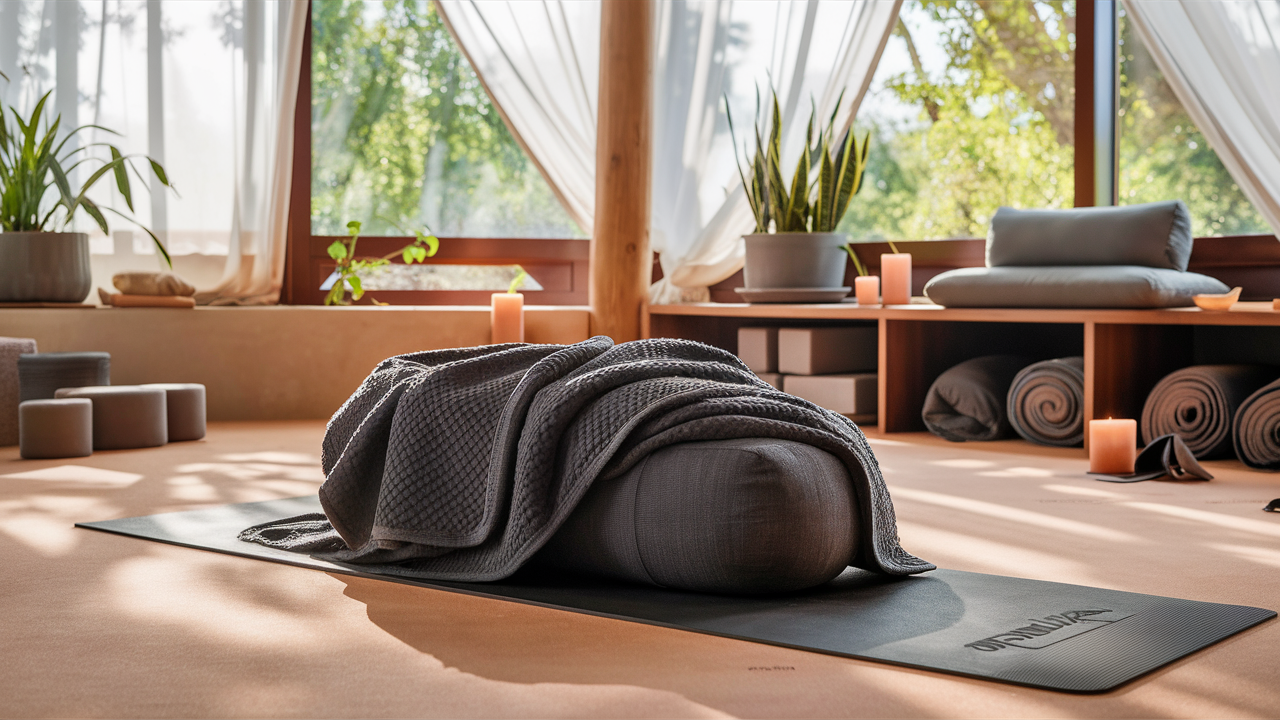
460, 464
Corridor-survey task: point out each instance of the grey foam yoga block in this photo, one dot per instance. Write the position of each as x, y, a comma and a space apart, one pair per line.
185, 406
41, 374
55, 428
125, 416
10, 388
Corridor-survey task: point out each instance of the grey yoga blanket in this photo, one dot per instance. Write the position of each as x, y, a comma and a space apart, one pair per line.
968, 402
460, 464
1046, 402
1198, 404
1256, 429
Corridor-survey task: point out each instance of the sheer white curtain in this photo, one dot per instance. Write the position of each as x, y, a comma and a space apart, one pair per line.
207, 88
1222, 59
539, 61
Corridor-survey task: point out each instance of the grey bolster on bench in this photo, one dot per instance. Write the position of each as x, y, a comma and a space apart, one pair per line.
1108, 257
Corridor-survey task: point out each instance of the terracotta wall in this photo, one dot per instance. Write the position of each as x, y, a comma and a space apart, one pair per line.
268, 363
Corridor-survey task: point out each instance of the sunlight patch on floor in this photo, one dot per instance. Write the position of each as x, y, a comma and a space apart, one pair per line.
1012, 514
79, 474
1085, 491
1231, 522
1263, 556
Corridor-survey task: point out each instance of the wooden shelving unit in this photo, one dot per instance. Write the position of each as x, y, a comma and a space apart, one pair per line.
1125, 351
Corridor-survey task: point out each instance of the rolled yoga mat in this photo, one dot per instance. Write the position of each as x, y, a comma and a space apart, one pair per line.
968, 402
1046, 402
1198, 404
1256, 429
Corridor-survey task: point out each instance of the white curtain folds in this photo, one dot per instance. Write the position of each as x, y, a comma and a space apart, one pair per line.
208, 89
1222, 59
540, 61
270, 68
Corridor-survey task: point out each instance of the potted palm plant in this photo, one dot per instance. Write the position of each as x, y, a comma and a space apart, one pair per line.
795, 254
39, 260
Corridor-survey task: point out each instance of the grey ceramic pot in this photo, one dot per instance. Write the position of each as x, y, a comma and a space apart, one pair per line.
44, 267
794, 260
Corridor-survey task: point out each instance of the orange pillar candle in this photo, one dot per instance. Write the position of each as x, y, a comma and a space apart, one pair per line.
506, 318
1113, 446
895, 274
867, 290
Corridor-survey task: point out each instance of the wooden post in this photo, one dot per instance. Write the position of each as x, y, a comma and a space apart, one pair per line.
621, 261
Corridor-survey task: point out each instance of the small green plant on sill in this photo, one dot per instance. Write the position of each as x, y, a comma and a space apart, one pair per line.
518, 281
857, 261
840, 167
349, 267
32, 165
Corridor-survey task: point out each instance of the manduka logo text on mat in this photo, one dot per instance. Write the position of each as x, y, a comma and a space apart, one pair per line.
1046, 631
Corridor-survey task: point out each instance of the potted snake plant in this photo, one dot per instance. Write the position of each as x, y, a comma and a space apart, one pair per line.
795, 254
40, 260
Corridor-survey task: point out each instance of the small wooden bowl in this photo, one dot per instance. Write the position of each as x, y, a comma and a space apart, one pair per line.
1217, 302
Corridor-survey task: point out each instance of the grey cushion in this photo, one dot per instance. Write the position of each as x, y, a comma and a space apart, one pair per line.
1117, 286
1154, 235
185, 409
125, 416
41, 374
55, 428
728, 516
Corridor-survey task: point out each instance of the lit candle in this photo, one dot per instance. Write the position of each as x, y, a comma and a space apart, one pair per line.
506, 318
1113, 446
895, 269
867, 289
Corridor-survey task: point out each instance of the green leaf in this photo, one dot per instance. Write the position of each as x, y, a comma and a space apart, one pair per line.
421, 254
160, 173
432, 243
408, 255
357, 289
353, 228
92, 208
122, 176
338, 250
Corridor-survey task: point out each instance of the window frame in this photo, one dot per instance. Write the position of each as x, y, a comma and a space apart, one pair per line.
564, 261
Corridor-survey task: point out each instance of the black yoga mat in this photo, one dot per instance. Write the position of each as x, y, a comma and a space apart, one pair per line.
1198, 404
1028, 632
968, 401
1046, 402
1256, 429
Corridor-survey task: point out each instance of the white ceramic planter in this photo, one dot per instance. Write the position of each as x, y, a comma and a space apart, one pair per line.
44, 267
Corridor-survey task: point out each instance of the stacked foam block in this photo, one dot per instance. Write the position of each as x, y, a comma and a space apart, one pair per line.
831, 367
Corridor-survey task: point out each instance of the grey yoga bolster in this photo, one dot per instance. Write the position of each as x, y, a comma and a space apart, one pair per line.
1154, 235
752, 515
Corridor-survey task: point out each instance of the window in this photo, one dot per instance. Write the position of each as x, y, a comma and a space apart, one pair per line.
1162, 155
404, 135
972, 107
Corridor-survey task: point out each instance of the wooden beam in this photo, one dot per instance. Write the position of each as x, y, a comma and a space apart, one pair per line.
620, 255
